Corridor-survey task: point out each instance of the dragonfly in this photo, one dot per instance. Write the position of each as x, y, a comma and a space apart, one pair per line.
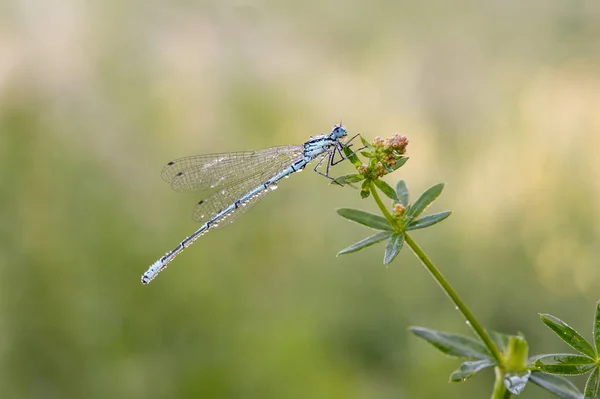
236, 181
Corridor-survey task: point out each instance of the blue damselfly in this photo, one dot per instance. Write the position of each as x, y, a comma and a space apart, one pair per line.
239, 180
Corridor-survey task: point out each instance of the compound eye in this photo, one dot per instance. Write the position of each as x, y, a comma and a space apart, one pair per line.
339, 131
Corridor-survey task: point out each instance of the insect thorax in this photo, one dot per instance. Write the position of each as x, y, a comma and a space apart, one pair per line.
318, 145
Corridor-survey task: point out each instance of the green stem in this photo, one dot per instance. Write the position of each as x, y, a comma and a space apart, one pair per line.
393, 221
500, 391
441, 280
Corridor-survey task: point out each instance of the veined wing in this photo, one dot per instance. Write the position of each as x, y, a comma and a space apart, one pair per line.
215, 202
203, 172
227, 195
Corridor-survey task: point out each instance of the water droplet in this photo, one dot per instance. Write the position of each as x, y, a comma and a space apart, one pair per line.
515, 382
456, 307
468, 322
273, 187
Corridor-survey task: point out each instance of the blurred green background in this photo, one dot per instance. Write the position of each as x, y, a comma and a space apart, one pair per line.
499, 99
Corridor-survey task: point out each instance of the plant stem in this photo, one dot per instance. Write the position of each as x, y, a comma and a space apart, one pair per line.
381, 206
500, 391
441, 280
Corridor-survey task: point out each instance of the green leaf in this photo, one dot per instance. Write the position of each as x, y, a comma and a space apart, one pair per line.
424, 201
516, 353
365, 189
501, 340
367, 242
427, 221
569, 335
386, 189
399, 163
367, 154
393, 247
565, 364
366, 143
597, 328
365, 218
592, 386
515, 381
402, 193
352, 157
556, 384
345, 179
469, 368
456, 345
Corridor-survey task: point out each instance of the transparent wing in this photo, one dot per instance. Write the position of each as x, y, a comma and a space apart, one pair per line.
204, 172
215, 202
237, 188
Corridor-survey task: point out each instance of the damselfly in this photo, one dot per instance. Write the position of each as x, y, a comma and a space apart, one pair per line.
238, 180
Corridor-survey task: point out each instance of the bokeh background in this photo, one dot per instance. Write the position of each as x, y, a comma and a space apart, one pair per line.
500, 100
